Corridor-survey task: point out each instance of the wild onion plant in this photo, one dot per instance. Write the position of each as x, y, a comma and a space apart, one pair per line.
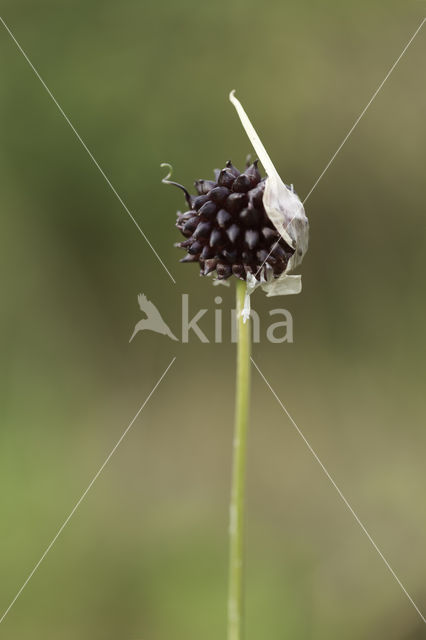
254, 229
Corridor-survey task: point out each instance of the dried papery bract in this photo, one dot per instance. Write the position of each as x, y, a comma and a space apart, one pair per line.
284, 209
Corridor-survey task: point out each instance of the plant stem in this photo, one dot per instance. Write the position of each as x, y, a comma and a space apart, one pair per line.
236, 525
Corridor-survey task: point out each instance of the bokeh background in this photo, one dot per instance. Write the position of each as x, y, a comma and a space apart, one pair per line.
145, 556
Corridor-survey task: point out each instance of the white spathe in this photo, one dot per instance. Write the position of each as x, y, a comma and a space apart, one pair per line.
285, 210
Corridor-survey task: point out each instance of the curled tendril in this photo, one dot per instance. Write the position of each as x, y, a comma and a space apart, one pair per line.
166, 180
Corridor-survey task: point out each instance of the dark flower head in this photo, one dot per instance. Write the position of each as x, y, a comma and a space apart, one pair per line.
227, 230
245, 225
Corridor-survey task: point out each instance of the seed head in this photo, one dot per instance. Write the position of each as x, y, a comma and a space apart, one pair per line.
244, 225
227, 230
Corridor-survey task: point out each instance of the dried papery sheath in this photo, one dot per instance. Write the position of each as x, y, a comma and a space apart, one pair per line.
284, 209
244, 225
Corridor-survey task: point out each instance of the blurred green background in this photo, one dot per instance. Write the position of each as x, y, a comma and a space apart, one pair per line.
145, 556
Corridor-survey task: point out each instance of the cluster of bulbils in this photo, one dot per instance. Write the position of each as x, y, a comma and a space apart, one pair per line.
244, 225
227, 229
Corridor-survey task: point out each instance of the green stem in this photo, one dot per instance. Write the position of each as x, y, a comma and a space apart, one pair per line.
236, 526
